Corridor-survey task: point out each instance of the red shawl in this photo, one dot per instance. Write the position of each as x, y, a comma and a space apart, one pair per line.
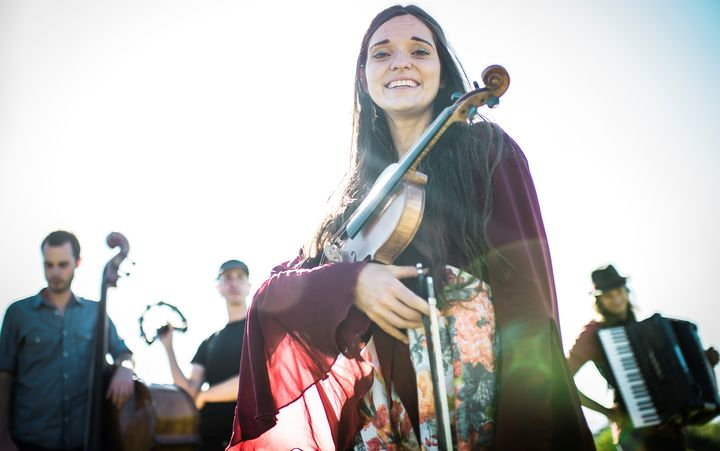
301, 376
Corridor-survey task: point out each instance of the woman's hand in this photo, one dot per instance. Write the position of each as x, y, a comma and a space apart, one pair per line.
386, 301
615, 415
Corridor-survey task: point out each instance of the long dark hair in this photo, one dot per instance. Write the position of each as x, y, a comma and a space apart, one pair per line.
612, 320
459, 168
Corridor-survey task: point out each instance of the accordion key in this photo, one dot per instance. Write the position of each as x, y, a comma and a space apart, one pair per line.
661, 371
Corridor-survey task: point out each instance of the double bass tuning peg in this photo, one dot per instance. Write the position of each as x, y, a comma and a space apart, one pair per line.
127, 273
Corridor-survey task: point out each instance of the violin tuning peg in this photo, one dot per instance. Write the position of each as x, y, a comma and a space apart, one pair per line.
492, 102
476, 84
455, 95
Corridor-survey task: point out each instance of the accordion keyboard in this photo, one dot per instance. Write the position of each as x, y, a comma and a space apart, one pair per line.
628, 376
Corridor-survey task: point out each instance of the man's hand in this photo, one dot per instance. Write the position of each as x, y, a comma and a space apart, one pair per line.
121, 386
200, 400
166, 335
712, 356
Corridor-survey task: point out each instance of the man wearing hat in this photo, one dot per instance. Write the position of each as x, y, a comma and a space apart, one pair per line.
217, 361
612, 304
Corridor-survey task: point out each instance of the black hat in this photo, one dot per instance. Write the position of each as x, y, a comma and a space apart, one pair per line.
233, 264
605, 279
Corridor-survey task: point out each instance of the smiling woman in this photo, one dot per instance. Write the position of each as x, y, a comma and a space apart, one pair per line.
334, 356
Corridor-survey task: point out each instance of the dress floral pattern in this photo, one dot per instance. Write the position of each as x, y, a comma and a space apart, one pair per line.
470, 350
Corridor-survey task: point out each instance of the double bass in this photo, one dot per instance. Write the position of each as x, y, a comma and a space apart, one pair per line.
156, 417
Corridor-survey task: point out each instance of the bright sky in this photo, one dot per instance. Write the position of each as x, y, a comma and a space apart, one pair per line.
212, 130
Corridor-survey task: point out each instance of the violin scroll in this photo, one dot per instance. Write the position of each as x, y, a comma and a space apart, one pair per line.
496, 79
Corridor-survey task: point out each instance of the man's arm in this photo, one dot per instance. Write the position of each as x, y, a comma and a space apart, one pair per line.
222, 392
6, 443
197, 375
8, 369
122, 385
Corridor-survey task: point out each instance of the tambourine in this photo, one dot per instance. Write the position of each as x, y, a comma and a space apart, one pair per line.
160, 325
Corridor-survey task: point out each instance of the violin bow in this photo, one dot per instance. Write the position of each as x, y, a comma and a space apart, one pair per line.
437, 370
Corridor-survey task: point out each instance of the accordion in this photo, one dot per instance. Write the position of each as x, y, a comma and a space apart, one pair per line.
661, 371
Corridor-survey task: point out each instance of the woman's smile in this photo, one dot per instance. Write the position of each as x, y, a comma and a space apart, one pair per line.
403, 83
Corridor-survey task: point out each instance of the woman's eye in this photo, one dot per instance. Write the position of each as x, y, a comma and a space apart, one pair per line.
380, 54
420, 52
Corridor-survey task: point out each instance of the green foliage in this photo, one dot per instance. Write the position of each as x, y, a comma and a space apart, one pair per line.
603, 440
697, 438
701, 438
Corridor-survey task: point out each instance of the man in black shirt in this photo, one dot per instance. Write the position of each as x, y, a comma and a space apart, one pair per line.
217, 361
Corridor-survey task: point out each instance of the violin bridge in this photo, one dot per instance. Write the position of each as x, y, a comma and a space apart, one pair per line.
332, 252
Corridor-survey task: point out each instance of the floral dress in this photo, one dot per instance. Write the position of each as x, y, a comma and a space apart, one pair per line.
470, 350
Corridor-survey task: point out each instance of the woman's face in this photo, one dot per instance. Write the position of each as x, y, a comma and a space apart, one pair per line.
615, 301
403, 68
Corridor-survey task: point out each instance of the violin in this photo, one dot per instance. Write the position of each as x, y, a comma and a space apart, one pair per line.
387, 220
158, 417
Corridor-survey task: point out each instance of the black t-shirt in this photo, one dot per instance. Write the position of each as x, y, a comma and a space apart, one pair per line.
220, 353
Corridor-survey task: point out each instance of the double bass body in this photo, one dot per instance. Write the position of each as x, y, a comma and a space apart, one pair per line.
158, 417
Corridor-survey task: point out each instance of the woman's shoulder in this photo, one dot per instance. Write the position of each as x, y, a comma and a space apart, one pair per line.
502, 146
586, 346
294, 263
589, 331
301, 261
591, 327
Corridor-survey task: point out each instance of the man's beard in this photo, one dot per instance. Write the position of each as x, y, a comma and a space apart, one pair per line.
59, 287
